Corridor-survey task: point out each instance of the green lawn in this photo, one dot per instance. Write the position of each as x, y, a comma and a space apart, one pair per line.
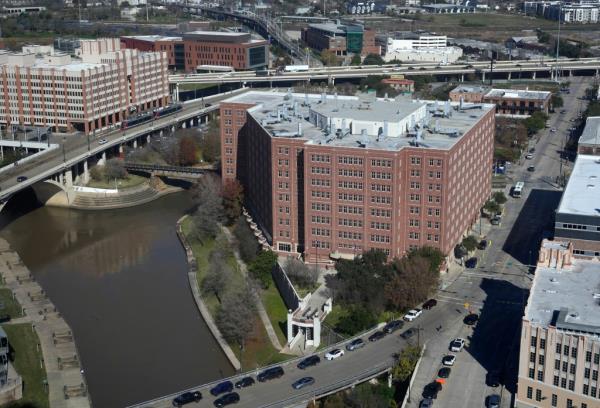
276, 310
9, 305
28, 362
132, 180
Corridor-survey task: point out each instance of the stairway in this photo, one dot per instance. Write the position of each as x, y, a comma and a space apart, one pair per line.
92, 201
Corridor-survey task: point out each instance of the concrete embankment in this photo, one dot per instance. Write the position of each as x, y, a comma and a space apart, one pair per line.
129, 197
194, 286
66, 383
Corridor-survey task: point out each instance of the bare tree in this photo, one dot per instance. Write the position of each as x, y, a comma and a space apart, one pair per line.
115, 169
300, 274
207, 195
236, 315
218, 276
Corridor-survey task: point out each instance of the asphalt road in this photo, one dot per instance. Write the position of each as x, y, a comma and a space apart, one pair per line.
498, 288
77, 145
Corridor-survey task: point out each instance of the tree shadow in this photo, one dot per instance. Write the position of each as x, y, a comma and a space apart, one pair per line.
535, 221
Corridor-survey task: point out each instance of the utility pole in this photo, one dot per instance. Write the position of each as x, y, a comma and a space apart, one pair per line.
558, 38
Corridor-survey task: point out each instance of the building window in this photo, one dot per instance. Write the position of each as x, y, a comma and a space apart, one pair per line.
541, 359
538, 395
540, 376
554, 400
593, 392
588, 356
586, 373
569, 403
574, 352
529, 392
558, 348
543, 344
555, 381
531, 373
595, 375
565, 366
586, 389
596, 358
566, 350
572, 369
571, 385
533, 341
563, 383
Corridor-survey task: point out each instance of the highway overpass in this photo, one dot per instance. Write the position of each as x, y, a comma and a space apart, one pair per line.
507, 69
54, 171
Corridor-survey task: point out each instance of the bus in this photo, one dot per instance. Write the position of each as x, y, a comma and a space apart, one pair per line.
518, 189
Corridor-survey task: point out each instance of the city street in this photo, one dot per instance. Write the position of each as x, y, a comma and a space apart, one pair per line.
498, 288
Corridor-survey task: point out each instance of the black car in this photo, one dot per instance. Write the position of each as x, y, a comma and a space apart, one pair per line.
244, 382
187, 398
355, 344
531, 168
429, 304
222, 388
408, 334
270, 374
227, 399
21, 179
471, 263
532, 150
444, 372
483, 244
493, 379
378, 335
471, 319
393, 326
309, 362
431, 390
303, 382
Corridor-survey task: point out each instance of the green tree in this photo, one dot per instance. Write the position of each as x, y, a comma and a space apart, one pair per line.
247, 244
329, 58
433, 255
96, 173
557, 101
492, 207
355, 60
536, 122
470, 243
334, 401
356, 320
499, 197
406, 361
261, 267
373, 59
413, 282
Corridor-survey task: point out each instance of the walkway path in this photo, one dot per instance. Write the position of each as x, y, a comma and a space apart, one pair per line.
259, 306
66, 384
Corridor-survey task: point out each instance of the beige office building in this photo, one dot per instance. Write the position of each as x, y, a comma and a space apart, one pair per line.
560, 338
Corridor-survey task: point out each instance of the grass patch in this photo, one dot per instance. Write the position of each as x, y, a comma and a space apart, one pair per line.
276, 310
258, 350
9, 305
132, 180
27, 360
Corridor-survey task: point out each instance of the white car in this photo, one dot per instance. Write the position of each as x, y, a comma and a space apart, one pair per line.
457, 344
412, 314
529, 156
553, 130
333, 354
449, 360
102, 141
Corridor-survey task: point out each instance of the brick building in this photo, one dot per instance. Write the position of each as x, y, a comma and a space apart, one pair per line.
589, 141
559, 355
577, 218
329, 177
172, 46
237, 50
508, 101
98, 89
405, 86
341, 39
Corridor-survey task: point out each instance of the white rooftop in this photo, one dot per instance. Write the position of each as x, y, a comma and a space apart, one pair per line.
518, 94
153, 37
565, 297
582, 194
591, 132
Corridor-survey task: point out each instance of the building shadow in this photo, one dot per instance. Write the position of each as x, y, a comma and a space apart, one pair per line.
535, 222
494, 340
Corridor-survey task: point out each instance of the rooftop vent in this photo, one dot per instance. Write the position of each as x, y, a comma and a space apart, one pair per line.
574, 315
553, 280
596, 295
550, 291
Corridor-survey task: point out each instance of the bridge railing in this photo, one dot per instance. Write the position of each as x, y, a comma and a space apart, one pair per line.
292, 361
159, 167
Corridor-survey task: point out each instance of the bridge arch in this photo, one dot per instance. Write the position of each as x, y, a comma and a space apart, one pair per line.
51, 192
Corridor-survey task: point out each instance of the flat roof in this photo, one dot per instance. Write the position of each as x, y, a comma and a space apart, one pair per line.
330, 27
518, 94
153, 38
565, 297
435, 129
218, 36
591, 131
471, 89
582, 194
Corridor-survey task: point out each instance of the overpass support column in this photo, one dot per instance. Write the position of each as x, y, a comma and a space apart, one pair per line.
102, 160
462, 77
206, 118
135, 143
176, 93
483, 76
183, 124
120, 149
533, 76
86, 172
509, 75
390, 379
570, 72
68, 178
331, 81
148, 139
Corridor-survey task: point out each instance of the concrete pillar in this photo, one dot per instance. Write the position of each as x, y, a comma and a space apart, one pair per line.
390, 379
120, 149
86, 173
570, 72
68, 178
290, 327
509, 75
102, 160
160, 133
533, 76
462, 77
483, 76
206, 117
135, 143
173, 128
148, 139
176, 93
183, 124
316, 332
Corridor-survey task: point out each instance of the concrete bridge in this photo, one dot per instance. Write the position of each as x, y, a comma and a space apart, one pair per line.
52, 173
179, 172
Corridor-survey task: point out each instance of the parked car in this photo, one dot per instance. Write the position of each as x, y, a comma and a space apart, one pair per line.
444, 372
448, 360
554, 129
303, 382
333, 354
563, 111
426, 403
227, 399
493, 379
355, 344
309, 362
531, 168
222, 388
529, 156
493, 401
496, 219
471, 319
408, 334
102, 141
412, 314
471, 263
483, 244
187, 398
244, 382
21, 179
457, 344
393, 326
431, 390
378, 335
270, 374
429, 304
532, 150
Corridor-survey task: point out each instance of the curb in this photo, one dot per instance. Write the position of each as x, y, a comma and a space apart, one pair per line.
208, 319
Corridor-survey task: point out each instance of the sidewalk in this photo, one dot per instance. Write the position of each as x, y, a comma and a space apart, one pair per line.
66, 383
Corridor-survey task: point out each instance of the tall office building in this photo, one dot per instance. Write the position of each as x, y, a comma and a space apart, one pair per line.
331, 176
